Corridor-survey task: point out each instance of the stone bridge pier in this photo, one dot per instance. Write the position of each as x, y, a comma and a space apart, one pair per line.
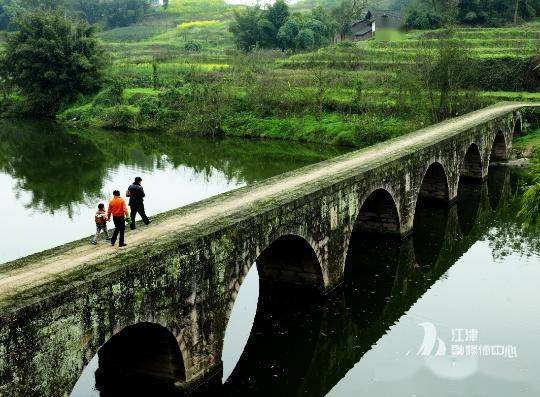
168, 298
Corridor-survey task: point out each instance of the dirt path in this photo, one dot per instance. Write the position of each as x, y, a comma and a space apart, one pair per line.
42, 271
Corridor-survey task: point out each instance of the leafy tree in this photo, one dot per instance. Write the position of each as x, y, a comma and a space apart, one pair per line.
322, 78
287, 34
91, 10
52, 60
423, 19
124, 12
245, 28
439, 71
275, 27
320, 31
348, 12
108, 13
305, 39
5, 17
429, 14
323, 24
267, 33
278, 13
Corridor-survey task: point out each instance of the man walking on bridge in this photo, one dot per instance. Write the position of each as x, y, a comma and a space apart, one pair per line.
118, 210
136, 202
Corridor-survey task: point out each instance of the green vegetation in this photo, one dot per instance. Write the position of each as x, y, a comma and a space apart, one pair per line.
108, 14
528, 145
430, 14
275, 27
51, 60
348, 93
184, 69
530, 203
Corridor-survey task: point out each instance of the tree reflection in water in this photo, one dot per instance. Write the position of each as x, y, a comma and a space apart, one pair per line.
63, 167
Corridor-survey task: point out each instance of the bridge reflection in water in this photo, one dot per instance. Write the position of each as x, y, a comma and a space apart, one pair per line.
303, 343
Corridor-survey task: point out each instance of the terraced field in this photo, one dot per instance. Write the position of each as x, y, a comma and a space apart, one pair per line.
205, 22
165, 33
346, 93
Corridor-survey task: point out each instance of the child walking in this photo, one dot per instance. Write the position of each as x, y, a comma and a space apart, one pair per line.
101, 223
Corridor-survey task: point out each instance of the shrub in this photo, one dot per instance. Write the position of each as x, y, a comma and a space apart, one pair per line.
506, 74
152, 113
192, 46
149, 110
82, 115
137, 98
176, 97
530, 202
120, 116
305, 39
111, 95
423, 19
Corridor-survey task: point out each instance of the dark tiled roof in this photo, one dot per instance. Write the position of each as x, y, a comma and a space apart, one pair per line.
360, 28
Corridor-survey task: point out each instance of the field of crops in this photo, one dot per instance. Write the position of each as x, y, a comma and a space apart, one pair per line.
276, 94
165, 36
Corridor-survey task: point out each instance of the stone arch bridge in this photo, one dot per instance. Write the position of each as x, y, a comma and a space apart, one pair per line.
178, 279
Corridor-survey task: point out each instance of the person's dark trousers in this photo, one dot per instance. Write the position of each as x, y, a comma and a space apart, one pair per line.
119, 228
138, 208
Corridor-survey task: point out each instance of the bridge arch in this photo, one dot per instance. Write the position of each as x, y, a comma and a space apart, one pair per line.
378, 214
291, 259
434, 185
499, 148
518, 127
140, 356
472, 167
378, 220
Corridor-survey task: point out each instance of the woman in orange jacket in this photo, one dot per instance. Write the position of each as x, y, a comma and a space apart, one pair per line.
118, 210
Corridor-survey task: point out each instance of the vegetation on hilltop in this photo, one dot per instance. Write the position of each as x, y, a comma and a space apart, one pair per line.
432, 14
108, 14
276, 27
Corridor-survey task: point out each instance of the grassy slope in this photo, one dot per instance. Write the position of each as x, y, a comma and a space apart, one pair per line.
528, 145
164, 35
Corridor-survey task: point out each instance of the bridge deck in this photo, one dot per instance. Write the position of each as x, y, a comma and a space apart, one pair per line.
26, 279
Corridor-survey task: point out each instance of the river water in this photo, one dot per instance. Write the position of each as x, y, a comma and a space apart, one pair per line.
451, 311
52, 178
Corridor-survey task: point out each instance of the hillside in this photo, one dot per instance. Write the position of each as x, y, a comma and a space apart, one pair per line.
348, 93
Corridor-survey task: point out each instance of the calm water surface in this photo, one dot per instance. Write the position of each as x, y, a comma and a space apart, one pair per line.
469, 273
52, 178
